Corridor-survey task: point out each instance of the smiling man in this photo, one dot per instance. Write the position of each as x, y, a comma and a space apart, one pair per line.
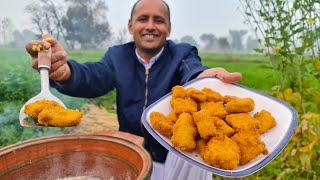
141, 72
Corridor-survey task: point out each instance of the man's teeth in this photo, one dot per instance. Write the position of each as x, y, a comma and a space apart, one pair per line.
149, 36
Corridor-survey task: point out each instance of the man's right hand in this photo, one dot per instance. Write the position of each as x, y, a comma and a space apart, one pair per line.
60, 70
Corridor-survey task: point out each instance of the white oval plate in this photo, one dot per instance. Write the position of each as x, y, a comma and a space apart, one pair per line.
275, 139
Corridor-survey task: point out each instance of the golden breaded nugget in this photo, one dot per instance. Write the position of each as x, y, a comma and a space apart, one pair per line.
222, 127
179, 92
205, 124
184, 133
265, 121
162, 124
172, 116
241, 121
240, 105
180, 105
228, 98
222, 152
212, 95
59, 117
215, 108
250, 145
201, 147
196, 95
33, 109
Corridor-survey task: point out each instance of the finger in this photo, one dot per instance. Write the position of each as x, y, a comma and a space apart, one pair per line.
35, 63
58, 74
232, 77
59, 56
55, 66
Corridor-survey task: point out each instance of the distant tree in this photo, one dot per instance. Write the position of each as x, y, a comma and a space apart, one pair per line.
21, 38
47, 15
122, 36
209, 40
6, 27
223, 44
252, 43
190, 40
85, 23
237, 38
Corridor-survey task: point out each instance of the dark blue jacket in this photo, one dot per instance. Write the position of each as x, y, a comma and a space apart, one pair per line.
121, 70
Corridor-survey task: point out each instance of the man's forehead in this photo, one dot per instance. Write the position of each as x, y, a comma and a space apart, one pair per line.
142, 6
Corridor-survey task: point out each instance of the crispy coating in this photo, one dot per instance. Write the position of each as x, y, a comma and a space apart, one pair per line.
223, 127
240, 105
59, 117
161, 123
212, 95
201, 147
33, 109
184, 133
250, 145
216, 108
172, 116
197, 95
222, 152
178, 92
228, 98
265, 121
205, 124
180, 105
241, 121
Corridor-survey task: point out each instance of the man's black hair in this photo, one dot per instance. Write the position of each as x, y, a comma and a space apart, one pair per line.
135, 4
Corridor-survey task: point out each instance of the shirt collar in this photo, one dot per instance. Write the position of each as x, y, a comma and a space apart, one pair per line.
152, 60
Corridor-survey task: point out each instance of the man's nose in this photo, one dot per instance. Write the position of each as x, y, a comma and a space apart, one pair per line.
150, 25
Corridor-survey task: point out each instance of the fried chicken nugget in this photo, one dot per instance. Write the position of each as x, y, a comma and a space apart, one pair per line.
205, 124
178, 92
161, 123
180, 105
240, 105
216, 108
201, 147
223, 127
172, 116
212, 95
228, 98
59, 117
33, 109
241, 121
197, 95
184, 133
250, 145
265, 121
222, 152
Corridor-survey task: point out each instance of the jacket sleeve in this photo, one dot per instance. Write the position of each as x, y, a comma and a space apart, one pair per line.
91, 79
191, 66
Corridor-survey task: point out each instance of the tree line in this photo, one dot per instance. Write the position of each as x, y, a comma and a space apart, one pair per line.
83, 24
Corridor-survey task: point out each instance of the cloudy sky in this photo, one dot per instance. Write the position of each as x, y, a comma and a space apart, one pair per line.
189, 17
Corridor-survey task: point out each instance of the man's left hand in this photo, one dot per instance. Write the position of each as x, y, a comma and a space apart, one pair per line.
222, 74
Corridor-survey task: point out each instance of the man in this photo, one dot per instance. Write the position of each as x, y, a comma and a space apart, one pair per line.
141, 72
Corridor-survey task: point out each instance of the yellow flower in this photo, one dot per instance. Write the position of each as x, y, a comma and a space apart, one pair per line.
311, 21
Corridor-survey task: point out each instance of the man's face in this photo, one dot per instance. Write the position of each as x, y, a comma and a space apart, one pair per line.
150, 25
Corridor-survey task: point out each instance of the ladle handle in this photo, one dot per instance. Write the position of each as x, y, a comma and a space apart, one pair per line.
44, 59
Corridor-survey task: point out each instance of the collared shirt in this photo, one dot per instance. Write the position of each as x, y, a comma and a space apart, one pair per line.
152, 60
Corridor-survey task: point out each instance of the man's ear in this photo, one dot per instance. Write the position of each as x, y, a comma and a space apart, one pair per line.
169, 30
130, 26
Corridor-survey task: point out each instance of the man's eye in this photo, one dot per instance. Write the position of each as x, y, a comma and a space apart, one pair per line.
142, 19
159, 21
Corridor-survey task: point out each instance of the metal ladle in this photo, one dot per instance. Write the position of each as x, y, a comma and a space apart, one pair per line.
44, 64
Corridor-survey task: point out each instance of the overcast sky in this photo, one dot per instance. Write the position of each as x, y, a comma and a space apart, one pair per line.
189, 17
